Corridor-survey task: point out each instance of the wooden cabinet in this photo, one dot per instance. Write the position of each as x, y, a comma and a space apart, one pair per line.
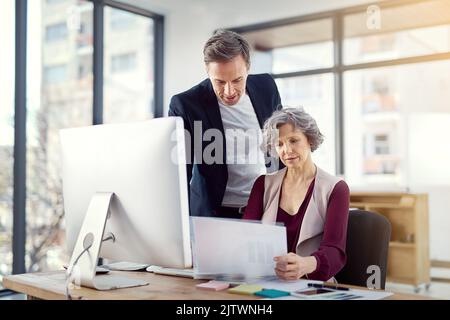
408, 259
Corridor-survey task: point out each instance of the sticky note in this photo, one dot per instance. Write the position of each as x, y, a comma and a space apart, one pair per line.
272, 293
247, 289
213, 285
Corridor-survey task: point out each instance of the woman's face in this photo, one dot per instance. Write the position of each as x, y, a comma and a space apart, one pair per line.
293, 147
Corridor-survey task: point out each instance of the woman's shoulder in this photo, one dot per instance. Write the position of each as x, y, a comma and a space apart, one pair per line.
334, 183
260, 179
341, 189
328, 176
258, 185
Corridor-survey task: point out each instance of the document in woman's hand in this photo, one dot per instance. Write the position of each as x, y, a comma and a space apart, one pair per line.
236, 248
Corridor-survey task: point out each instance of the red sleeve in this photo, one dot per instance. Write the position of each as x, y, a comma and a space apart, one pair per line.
331, 256
254, 209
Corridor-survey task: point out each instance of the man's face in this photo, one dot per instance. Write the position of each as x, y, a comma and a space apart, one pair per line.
228, 79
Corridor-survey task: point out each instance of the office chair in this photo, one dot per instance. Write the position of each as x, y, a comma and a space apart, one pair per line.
368, 236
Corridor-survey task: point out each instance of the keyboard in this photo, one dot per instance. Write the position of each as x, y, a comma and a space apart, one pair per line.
187, 273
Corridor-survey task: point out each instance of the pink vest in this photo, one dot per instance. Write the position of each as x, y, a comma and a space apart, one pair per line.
314, 220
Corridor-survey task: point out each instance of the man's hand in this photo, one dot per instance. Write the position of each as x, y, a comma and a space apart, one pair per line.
293, 267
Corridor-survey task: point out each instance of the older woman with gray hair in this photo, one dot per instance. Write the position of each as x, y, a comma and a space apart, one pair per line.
312, 204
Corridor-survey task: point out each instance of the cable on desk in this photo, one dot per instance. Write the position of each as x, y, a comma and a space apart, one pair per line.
70, 269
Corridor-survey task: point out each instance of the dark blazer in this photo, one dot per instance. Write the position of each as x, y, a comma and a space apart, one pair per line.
199, 103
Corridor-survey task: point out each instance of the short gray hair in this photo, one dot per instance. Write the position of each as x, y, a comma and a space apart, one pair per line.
225, 45
299, 119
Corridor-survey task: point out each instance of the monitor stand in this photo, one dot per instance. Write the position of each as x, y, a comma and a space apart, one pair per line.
83, 263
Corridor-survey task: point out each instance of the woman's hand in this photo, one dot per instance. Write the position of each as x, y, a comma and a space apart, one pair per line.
293, 267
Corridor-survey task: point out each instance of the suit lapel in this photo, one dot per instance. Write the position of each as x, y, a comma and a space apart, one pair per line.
256, 100
212, 111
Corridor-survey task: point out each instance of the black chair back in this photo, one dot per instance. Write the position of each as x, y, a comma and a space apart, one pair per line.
368, 236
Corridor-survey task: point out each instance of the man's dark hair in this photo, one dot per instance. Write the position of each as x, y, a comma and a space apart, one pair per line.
225, 45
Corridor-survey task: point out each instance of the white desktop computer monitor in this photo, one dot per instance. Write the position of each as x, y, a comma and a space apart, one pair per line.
128, 180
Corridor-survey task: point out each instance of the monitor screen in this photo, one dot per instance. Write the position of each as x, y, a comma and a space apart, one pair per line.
144, 165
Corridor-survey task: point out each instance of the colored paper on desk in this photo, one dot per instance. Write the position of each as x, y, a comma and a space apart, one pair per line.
213, 285
272, 293
234, 249
246, 289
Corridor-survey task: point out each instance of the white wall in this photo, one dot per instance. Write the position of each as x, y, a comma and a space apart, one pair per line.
189, 23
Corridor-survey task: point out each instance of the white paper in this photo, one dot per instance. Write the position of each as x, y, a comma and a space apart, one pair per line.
236, 248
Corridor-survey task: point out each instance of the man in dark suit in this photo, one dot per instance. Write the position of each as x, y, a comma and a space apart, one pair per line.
226, 109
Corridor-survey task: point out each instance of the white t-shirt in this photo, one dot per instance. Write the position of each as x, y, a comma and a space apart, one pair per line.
244, 158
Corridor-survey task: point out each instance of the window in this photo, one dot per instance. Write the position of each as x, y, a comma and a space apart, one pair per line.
315, 93
402, 103
381, 144
56, 32
129, 75
303, 57
85, 37
50, 2
7, 32
378, 95
381, 103
62, 99
368, 97
292, 48
121, 19
55, 74
85, 68
300, 48
400, 35
123, 62
59, 93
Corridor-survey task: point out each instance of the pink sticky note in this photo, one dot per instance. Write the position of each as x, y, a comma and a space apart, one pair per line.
213, 285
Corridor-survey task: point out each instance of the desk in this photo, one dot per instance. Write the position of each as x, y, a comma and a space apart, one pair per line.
51, 286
